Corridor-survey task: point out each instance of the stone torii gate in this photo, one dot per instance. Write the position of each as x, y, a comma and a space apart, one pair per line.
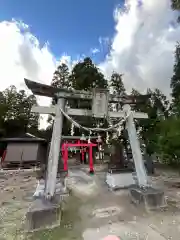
46, 211
100, 99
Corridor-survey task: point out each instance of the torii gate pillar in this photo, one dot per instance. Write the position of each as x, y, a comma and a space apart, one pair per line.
54, 149
142, 194
135, 146
47, 212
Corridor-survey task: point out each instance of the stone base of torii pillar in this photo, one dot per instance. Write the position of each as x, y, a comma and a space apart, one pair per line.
141, 191
45, 211
43, 214
148, 198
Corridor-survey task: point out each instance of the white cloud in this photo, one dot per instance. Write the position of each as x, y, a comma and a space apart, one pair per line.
95, 51
22, 56
69, 61
143, 45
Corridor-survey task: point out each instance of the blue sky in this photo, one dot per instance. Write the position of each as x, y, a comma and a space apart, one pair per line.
70, 26
140, 38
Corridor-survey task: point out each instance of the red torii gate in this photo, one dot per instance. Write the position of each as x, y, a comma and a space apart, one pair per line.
64, 150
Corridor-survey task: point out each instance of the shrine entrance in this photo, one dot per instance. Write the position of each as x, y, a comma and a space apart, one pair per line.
100, 100
140, 188
78, 144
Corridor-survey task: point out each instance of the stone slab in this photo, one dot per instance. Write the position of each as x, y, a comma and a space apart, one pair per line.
120, 180
149, 197
43, 214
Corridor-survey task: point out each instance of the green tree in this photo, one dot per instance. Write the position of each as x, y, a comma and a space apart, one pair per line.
157, 108
117, 85
135, 92
85, 76
3, 110
175, 83
176, 4
169, 133
60, 80
169, 140
15, 112
61, 77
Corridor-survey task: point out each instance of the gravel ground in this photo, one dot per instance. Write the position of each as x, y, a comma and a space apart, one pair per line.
90, 214
16, 190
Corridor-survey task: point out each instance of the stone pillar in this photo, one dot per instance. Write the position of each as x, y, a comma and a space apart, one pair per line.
54, 150
135, 146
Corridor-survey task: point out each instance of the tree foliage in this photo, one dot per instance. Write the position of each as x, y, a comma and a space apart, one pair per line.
85, 76
160, 132
15, 112
157, 108
169, 132
176, 4
175, 83
61, 77
117, 85
169, 141
153, 131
